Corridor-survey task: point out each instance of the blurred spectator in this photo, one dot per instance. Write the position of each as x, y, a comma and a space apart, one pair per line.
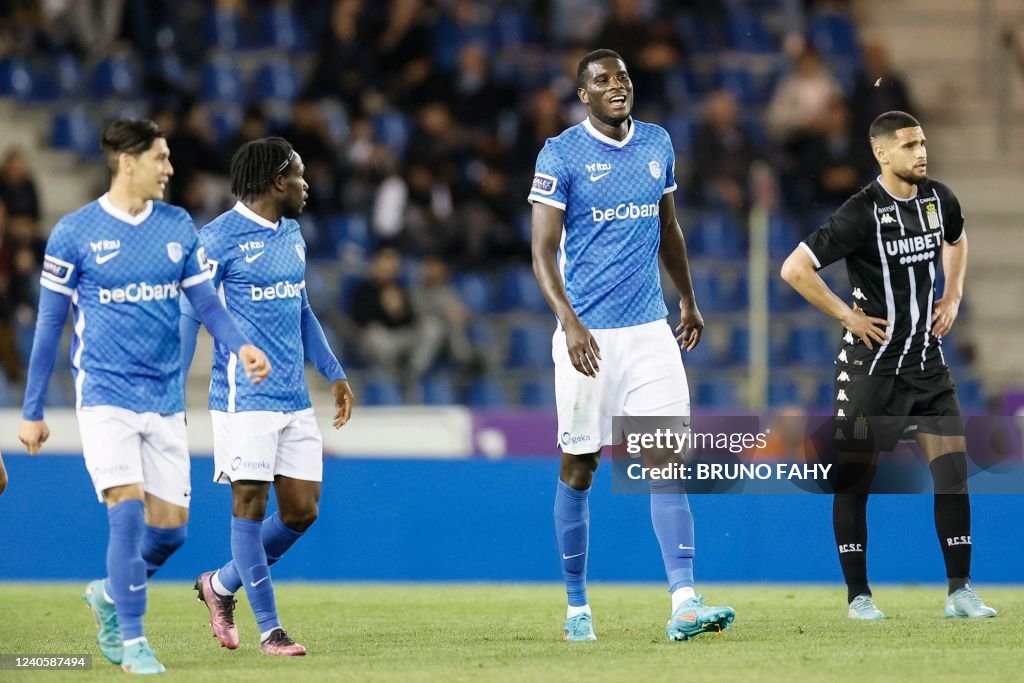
442, 314
877, 90
193, 154
17, 188
344, 66
831, 164
253, 127
801, 98
309, 137
722, 155
404, 48
391, 337
415, 209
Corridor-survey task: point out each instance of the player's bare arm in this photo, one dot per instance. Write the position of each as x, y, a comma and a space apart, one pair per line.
546, 235
673, 255
954, 265
798, 270
33, 433
344, 400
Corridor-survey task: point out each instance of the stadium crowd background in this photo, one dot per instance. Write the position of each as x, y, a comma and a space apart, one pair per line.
419, 122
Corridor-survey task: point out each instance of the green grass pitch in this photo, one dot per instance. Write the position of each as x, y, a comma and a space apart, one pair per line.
512, 632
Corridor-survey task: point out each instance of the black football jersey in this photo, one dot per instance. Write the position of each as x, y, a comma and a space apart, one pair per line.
893, 252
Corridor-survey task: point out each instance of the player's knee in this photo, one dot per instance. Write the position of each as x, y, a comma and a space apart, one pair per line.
301, 519
949, 473
578, 470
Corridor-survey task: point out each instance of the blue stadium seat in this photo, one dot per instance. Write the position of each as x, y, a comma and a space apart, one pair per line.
716, 394
277, 80
681, 129
168, 67
783, 392
437, 390
747, 87
281, 28
114, 76
485, 393
781, 297
73, 132
476, 292
834, 34
481, 334
68, 73
739, 345
716, 235
223, 29
520, 291
221, 81
824, 398
747, 33
971, 396
392, 129
17, 78
538, 393
783, 236
350, 235
529, 346
225, 120
346, 290
811, 345
8, 395
380, 391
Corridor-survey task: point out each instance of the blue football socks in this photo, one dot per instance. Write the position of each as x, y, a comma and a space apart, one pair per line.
126, 570
158, 544
572, 526
673, 525
251, 560
277, 539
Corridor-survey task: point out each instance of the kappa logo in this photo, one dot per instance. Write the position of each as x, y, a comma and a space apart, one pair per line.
841, 413
842, 356
848, 337
839, 435
843, 377
886, 219
859, 295
841, 396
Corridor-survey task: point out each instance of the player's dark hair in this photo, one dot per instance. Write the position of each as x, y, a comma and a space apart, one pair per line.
128, 136
255, 165
891, 121
590, 58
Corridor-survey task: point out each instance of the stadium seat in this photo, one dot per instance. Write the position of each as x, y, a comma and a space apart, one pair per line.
168, 68
538, 392
381, 391
834, 34
521, 292
476, 292
529, 346
783, 236
747, 33
739, 345
392, 129
437, 390
970, 394
114, 76
221, 81
811, 345
72, 131
281, 28
781, 297
350, 235
716, 394
225, 120
716, 235
8, 395
223, 28
485, 393
16, 78
824, 397
783, 392
277, 80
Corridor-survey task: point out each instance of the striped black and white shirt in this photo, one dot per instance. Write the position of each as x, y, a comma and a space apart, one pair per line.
893, 252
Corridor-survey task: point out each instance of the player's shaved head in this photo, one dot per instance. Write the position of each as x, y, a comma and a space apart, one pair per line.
128, 136
590, 58
255, 165
886, 125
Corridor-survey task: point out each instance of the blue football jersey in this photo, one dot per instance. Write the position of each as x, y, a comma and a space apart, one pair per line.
610, 191
259, 269
124, 275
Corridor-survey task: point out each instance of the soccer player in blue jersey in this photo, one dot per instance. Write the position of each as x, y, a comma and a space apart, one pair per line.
122, 262
602, 216
267, 433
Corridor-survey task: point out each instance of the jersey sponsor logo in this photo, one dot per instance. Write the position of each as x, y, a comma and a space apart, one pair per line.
280, 290
56, 269
105, 245
914, 249
174, 251
887, 209
251, 245
886, 219
623, 212
544, 184
139, 292
103, 258
573, 439
655, 168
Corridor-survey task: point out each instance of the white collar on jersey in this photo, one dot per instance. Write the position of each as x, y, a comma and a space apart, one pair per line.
120, 215
607, 140
253, 216
899, 199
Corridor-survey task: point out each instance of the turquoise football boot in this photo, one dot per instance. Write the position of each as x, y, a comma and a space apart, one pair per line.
965, 603
108, 633
693, 618
579, 627
863, 609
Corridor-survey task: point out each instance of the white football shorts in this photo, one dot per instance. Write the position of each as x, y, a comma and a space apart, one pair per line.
124, 447
641, 375
257, 445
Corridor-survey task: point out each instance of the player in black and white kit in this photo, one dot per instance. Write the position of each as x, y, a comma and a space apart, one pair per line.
891, 375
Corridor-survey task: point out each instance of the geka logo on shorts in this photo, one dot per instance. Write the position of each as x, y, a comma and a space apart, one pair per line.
281, 290
623, 212
958, 540
139, 292
568, 439
850, 548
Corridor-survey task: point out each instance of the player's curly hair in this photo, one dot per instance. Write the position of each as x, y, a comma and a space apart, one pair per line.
128, 136
590, 58
256, 163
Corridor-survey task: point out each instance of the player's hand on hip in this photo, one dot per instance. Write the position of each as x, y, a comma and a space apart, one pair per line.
344, 399
255, 362
583, 349
690, 327
944, 315
33, 433
866, 328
